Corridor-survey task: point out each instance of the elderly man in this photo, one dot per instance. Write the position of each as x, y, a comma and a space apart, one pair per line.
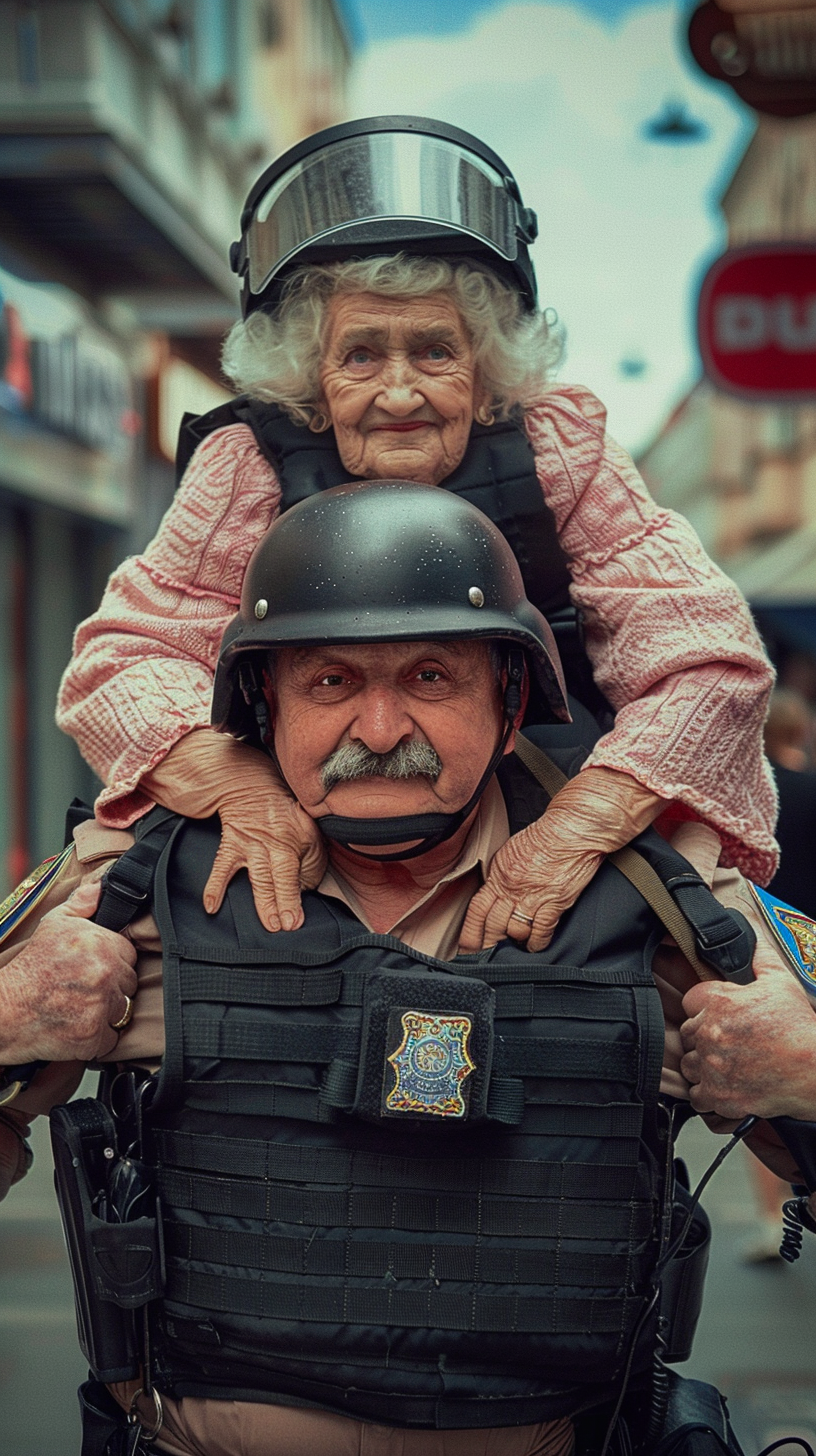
411, 1201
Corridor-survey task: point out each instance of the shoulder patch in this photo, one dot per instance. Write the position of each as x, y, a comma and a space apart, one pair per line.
793, 931
19, 904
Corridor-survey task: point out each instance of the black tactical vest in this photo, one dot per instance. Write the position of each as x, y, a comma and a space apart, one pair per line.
352, 1221
497, 476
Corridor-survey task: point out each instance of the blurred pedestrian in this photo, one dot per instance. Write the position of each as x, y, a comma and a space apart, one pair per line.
789, 746
770, 1194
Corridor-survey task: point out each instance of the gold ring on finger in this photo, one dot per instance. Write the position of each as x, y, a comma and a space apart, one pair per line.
125, 1017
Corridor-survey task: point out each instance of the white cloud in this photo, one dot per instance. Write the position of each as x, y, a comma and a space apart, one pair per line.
626, 224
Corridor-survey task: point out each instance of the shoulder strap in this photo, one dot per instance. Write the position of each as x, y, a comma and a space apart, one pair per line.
715, 941
125, 892
498, 476
127, 885
195, 428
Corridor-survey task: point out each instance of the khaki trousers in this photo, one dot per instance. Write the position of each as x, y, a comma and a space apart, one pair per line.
195, 1427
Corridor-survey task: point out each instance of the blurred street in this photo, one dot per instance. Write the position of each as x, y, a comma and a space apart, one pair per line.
755, 1338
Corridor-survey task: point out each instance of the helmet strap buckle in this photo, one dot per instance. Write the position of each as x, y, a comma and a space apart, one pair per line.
253, 695
515, 680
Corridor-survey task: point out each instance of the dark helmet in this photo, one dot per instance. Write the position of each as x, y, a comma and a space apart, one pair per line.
375, 562
384, 185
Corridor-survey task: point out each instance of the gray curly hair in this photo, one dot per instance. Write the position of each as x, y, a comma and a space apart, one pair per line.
276, 356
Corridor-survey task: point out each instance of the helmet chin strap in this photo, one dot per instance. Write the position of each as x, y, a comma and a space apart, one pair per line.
429, 829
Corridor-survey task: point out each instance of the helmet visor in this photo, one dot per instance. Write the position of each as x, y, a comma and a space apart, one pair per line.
372, 178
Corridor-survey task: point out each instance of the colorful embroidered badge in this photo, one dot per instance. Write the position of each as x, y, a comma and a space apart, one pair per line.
795, 932
431, 1064
30, 891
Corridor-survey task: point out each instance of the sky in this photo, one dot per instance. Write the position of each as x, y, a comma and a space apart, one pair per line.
562, 91
385, 19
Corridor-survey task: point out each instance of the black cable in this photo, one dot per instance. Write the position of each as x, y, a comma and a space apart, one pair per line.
788, 1441
661, 1389
736, 1137
610, 1430
792, 1229
746, 1126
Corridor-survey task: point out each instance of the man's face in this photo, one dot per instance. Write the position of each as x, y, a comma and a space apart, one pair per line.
398, 383
437, 701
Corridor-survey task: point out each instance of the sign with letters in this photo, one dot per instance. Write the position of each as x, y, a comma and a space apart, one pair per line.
756, 322
68, 416
764, 49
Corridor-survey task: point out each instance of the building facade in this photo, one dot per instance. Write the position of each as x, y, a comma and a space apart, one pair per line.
301, 66
744, 473
130, 132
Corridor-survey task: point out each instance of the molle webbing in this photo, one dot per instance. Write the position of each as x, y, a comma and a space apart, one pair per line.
243, 1038
322, 1258
248, 1158
408, 1309
417, 1212
301, 1238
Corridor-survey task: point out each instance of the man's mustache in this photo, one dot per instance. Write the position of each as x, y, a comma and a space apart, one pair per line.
405, 761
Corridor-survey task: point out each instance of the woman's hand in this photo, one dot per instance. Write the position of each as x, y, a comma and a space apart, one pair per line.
541, 871
263, 829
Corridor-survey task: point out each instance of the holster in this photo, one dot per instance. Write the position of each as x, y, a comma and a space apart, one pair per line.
116, 1267
695, 1423
683, 1279
106, 1430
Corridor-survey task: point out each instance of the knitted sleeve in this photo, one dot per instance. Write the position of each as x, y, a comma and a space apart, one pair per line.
142, 669
670, 637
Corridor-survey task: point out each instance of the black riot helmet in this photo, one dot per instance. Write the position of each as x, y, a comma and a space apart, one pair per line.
383, 561
385, 185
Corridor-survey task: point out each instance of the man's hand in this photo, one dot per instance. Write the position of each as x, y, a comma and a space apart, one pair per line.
540, 872
263, 829
751, 1049
60, 994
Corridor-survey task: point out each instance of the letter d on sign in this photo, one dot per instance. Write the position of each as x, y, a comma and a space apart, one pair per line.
740, 323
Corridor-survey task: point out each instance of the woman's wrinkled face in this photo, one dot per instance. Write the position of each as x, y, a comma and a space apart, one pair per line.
398, 383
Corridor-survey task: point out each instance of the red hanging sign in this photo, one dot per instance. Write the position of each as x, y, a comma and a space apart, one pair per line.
756, 322
765, 49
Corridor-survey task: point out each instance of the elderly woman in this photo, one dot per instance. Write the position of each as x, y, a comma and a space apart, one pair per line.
395, 365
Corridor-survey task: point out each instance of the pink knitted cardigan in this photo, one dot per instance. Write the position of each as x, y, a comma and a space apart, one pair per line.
670, 638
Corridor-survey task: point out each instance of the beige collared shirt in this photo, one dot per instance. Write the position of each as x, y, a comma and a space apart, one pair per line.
433, 925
